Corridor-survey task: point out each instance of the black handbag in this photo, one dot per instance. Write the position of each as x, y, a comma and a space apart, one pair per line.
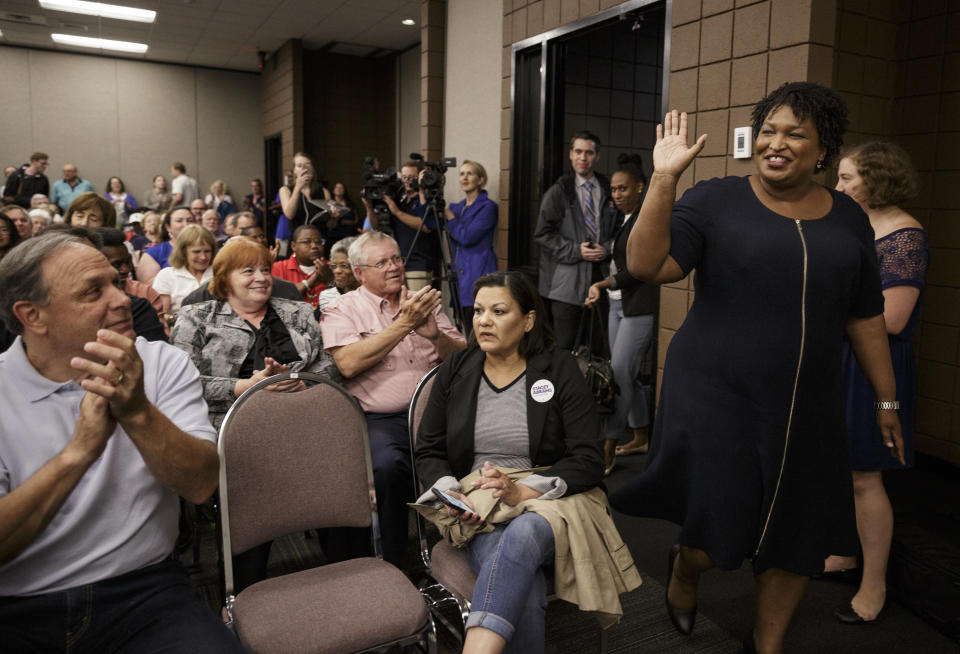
597, 371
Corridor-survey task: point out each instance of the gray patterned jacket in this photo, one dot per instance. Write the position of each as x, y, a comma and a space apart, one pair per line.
218, 341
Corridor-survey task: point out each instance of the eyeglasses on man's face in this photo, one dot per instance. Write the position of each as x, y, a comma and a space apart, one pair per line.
310, 241
396, 260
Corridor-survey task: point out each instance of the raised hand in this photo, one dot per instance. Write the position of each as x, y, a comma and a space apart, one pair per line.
671, 156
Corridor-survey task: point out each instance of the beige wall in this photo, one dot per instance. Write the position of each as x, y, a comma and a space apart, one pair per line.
472, 98
129, 118
408, 106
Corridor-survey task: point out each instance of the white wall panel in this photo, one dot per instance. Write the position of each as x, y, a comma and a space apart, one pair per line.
113, 116
472, 93
16, 121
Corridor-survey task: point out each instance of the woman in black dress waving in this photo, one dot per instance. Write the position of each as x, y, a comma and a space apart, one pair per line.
749, 451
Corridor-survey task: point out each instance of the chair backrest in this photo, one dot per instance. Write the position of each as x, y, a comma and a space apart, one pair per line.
293, 461
418, 404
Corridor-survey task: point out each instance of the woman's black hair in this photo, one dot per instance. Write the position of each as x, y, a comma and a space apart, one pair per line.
14, 234
823, 106
540, 337
632, 165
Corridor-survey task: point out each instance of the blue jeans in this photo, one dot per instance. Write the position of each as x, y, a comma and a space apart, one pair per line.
510, 597
630, 338
151, 610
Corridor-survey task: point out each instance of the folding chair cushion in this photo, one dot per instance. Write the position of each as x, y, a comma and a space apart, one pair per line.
341, 607
451, 567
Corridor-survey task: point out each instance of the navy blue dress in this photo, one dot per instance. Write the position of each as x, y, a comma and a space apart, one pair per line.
904, 256
749, 450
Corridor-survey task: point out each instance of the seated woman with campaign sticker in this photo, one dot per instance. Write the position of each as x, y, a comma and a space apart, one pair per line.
509, 443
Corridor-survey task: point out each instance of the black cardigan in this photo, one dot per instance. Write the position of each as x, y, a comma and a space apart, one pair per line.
564, 431
638, 299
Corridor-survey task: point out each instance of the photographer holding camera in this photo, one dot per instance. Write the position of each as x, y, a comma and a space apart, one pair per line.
416, 235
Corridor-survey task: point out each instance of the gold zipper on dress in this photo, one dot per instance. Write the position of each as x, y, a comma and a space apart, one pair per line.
796, 382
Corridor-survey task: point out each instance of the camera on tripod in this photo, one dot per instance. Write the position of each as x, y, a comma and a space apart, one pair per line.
431, 181
376, 187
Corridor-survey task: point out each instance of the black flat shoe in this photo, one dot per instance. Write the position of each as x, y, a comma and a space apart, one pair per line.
847, 615
682, 619
749, 647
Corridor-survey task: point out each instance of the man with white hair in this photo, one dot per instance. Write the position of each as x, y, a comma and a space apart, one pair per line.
100, 434
384, 339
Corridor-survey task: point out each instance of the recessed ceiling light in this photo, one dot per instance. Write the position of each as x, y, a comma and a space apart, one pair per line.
100, 9
408, 21
100, 44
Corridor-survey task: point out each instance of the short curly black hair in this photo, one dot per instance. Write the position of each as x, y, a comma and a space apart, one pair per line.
808, 100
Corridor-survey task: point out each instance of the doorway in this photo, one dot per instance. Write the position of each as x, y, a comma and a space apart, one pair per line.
603, 74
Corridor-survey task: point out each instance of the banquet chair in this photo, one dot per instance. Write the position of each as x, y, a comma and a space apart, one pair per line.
290, 462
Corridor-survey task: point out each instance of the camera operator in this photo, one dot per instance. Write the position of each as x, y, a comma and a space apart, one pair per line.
416, 236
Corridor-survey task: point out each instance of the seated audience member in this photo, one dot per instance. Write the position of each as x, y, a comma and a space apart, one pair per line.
27, 180
153, 230
256, 233
9, 235
189, 268
155, 258
66, 190
197, 207
117, 253
218, 193
90, 210
18, 216
245, 219
39, 200
273, 334
7, 171
123, 203
210, 221
343, 278
487, 411
306, 267
40, 219
158, 197
384, 339
230, 225
54, 212
146, 319
91, 475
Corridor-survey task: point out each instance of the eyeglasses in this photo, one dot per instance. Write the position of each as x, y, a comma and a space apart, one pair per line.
310, 241
340, 266
383, 263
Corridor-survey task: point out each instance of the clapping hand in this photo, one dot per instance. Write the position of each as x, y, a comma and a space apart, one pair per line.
417, 310
671, 156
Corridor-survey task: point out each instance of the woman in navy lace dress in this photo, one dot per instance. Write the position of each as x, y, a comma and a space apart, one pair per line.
879, 177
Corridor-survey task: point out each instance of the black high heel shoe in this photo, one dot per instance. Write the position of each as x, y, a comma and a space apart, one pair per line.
847, 615
682, 619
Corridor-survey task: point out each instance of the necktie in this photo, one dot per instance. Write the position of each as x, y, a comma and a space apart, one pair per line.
590, 214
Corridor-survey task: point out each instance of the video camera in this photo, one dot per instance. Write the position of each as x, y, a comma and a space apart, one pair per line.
432, 179
376, 187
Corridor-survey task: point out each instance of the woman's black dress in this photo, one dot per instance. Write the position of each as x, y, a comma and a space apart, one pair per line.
749, 450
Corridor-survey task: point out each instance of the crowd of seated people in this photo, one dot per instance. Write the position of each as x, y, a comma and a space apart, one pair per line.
223, 299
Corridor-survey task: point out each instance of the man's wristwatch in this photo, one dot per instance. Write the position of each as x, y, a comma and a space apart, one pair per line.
887, 406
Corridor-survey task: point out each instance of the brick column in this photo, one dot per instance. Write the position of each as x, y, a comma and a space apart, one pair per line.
433, 21
281, 98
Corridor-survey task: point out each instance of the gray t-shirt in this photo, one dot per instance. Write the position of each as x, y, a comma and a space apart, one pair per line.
501, 435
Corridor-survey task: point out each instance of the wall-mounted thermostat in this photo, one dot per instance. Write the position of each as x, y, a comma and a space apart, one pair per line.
742, 142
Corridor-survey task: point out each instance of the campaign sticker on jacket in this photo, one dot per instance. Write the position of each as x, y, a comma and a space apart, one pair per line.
542, 390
